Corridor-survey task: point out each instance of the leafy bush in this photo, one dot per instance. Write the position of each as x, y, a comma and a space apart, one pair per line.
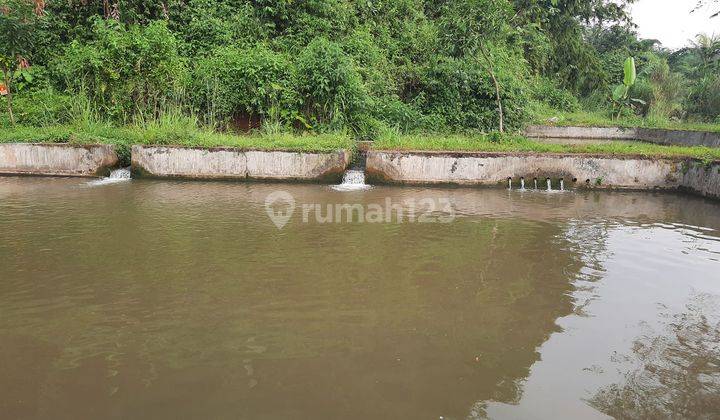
704, 100
371, 62
642, 90
466, 24
536, 46
41, 108
461, 92
662, 89
253, 81
330, 87
208, 24
559, 99
125, 70
405, 117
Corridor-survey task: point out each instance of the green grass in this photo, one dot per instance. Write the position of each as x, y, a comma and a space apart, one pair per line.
172, 134
177, 133
515, 143
600, 119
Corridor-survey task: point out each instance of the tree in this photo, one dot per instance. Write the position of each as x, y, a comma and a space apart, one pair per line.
707, 48
573, 62
18, 20
703, 3
469, 25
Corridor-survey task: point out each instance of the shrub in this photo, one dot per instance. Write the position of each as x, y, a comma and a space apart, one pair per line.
704, 100
461, 92
371, 62
404, 117
211, 24
662, 89
41, 108
559, 99
331, 89
125, 70
643, 90
254, 81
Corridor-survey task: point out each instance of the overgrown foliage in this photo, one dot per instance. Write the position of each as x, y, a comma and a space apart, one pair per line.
360, 67
125, 71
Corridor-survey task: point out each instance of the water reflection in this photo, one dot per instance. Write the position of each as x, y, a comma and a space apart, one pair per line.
160, 299
677, 369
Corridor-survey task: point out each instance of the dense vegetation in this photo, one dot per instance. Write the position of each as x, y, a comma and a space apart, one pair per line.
362, 67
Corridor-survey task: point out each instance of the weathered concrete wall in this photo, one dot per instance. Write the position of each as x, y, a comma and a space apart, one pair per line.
679, 138
651, 135
702, 178
578, 171
57, 159
548, 131
496, 168
233, 163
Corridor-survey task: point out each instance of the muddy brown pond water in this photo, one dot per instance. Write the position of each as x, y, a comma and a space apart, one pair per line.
151, 299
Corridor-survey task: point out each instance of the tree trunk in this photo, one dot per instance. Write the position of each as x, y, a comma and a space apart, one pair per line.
501, 117
6, 76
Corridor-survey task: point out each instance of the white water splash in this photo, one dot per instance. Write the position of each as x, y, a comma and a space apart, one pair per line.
353, 180
118, 175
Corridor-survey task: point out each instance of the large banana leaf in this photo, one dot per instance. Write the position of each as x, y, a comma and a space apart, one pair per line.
630, 73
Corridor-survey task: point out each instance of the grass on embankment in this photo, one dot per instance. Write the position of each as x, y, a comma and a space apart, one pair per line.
124, 137
156, 134
515, 143
600, 119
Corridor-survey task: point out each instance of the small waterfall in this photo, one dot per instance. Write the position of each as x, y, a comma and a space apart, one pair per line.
549, 184
117, 175
353, 180
562, 185
522, 183
509, 183
535, 180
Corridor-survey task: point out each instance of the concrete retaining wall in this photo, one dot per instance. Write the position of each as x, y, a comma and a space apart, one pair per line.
652, 135
614, 133
679, 138
233, 163
57, 159
702, 178
577, 171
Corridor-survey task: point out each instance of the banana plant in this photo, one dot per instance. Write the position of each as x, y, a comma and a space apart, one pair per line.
621, 93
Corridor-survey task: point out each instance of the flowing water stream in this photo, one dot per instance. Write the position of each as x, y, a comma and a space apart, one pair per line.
353, 180
166, 300
117, 175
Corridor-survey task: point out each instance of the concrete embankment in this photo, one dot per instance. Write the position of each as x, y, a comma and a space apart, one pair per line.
57, 159
576, 171
703, 179
234, 163
651, 135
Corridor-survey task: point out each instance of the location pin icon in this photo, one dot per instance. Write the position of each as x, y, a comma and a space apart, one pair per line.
280, 206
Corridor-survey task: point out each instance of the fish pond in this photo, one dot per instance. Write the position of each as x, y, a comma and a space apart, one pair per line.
171, 299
